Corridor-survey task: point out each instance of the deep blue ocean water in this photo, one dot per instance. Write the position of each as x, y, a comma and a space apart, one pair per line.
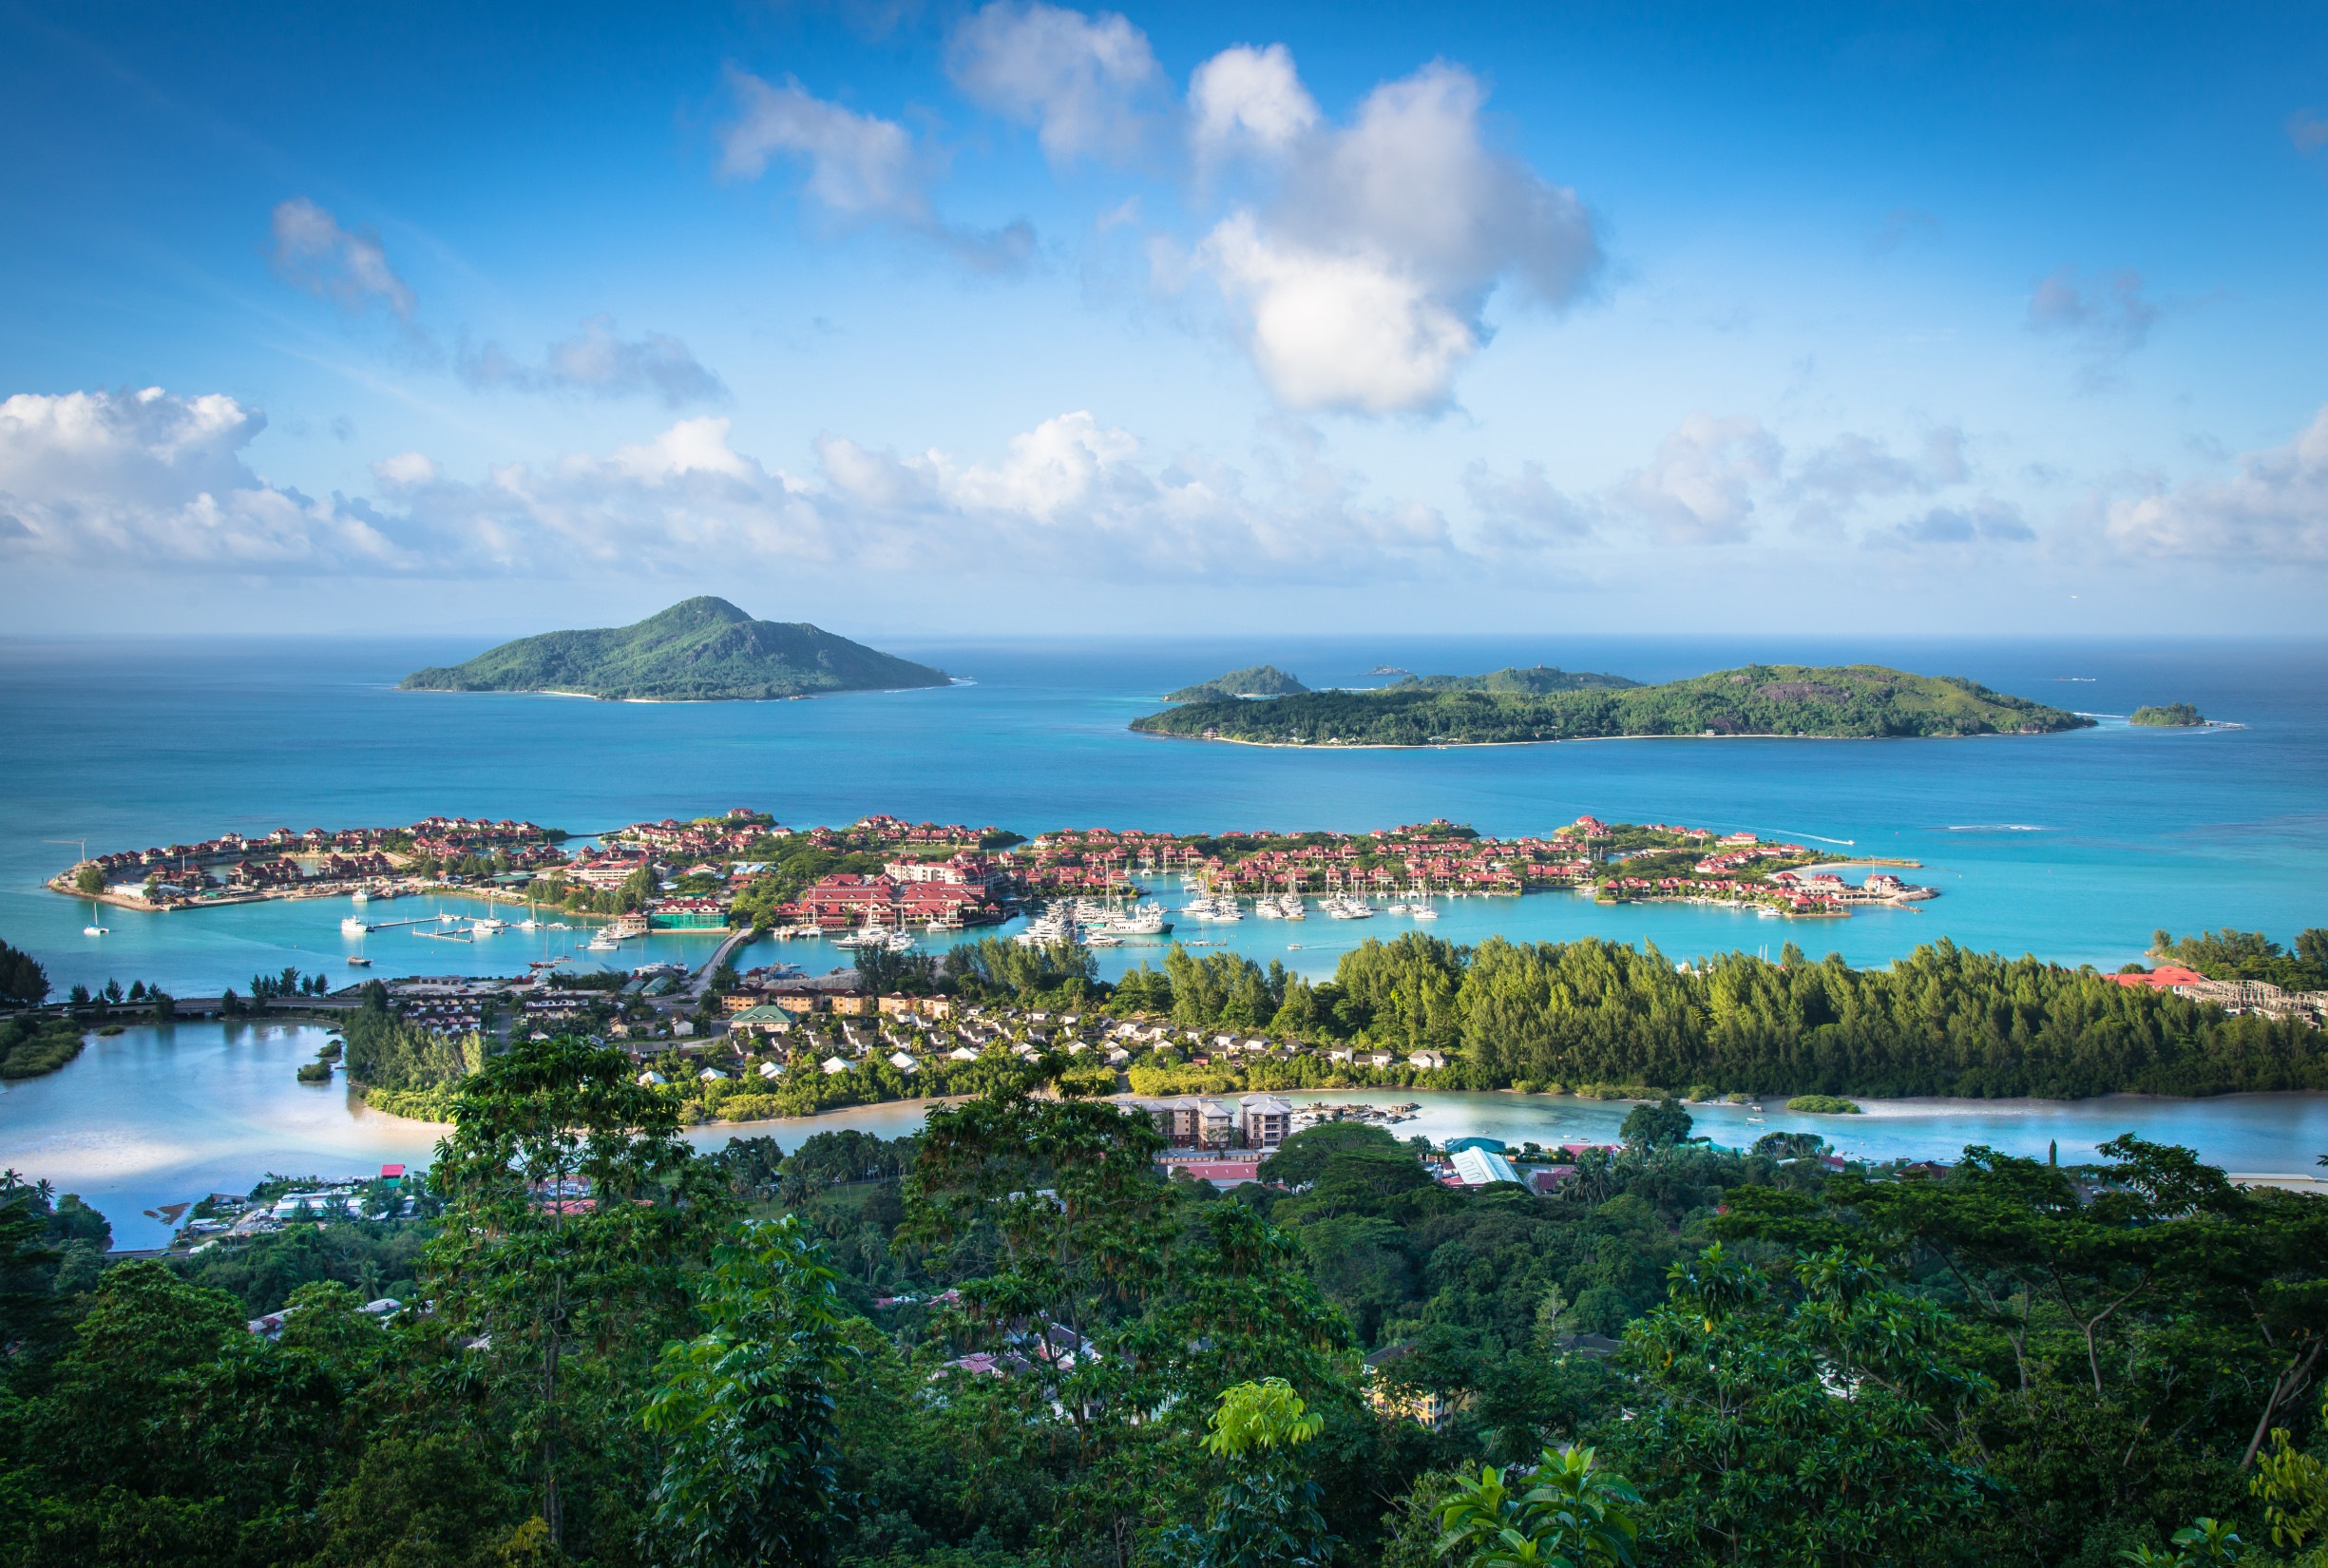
2071, 847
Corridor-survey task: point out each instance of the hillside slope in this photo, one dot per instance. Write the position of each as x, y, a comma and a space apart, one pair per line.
1854, 700
699, 649
1259, 680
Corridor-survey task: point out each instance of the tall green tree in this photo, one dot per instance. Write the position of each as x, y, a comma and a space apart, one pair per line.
745, 1409
574, 1209
1806, 1425
1264, 1514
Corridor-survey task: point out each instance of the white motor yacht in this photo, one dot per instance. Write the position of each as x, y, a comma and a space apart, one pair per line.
1140, 920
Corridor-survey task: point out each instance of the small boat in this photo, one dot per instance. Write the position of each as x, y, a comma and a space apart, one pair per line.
1423, 911
358, 961
359, 896
96, 930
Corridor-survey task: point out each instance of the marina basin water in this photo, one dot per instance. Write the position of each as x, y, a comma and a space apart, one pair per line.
161, 1114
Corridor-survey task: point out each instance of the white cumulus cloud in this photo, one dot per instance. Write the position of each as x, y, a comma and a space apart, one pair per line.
147, 479
1361, 285
858, 164
861, 168
1699, 488
152, 480
1246, 100
1086, 83
349, 268
2273, 511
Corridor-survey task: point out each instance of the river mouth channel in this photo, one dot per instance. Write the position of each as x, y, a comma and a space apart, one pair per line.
164, 1113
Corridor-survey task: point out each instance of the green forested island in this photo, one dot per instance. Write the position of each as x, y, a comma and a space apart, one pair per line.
1257, 681
1853, 700
698, 650
2174, 716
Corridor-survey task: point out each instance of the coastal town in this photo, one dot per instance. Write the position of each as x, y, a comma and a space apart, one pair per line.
884, 877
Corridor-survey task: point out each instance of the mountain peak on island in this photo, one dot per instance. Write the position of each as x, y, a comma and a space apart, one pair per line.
1255, 680
688, 614
700, 649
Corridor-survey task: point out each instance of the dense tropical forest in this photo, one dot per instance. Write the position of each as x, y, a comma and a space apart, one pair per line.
699, 649
1544, 1017
1009, 1341
2172, 715
1854, 700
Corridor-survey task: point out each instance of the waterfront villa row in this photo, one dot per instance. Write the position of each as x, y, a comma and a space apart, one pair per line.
430, 835
2232, 996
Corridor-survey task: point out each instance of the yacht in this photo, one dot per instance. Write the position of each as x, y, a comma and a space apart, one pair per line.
600, 943
1047, 930
96, 930
357, 961
487, 925
1142, 920
626, 926
1423, 911
353, 926
359, 896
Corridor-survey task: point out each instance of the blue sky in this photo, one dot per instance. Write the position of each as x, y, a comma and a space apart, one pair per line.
1017, 317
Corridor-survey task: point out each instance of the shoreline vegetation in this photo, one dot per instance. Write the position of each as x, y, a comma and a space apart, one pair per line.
702, 649
1509, 707
2173, 716
1591, 1018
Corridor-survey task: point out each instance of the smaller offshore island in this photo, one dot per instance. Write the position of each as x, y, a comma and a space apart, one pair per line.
1520, 706
699, 650
2171, 715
